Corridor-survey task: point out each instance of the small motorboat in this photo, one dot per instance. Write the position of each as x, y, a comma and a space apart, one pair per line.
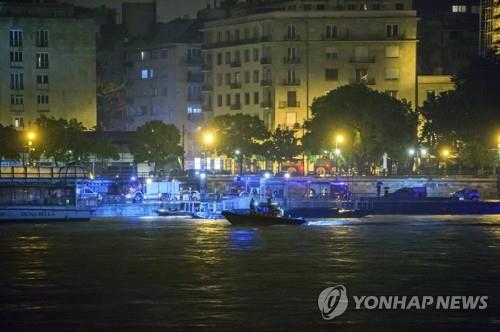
259, 219
173, 213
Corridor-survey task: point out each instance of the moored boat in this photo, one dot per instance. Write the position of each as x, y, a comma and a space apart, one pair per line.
173, 213
259, 219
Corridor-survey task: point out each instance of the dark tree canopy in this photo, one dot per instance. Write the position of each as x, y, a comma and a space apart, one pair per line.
468, 118
282, 146
239, 132
372, 122
156, 142
11, 144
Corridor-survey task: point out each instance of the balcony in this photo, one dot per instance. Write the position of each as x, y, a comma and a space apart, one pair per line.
235, 107
196, 116
16, 64
266, 104
206, 88
235, 85
289, 103
207, 108
266, 83
266, 61
236, 42
368, 81
291, 61
194, 78
332, 56
294, 82
43, 107
194, 98
235, 64
17, 108
362, 59
194, 60
206, 67
291, 37
42, 86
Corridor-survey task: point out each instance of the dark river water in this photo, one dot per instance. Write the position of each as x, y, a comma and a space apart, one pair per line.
183, 275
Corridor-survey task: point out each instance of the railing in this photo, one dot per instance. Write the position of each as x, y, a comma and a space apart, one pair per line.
235, 85
288, 37
368, 81
266, 61
235, 64
194, 60
284, 104
291, 61
195, 116
362, 59
266, 82
206, 88
329, 37
195, 78
17, 108
235, 107
266, 104
236, 42
294, 82
194, 98
206, 67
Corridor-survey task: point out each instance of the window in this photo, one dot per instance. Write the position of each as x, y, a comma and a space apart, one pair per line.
255, 32
459, 8
392, 74
16, 81
42, 99
331, 53
391, 30
307, 8
255, 54
256, 76
431, 94
247, 77
18, 122
228, 100
228, 35
255, 98
392, 93
219, 100
219, 79
246, 33
291, 76
42, 60
246, 55
16, 38
247, 98
291, 119
361, 75
400, 6
16, 56
16, 99
147, 73
292, 53
237, 56
392, 51
42, 79
228, 79
376, 6
219, 59
164, 91
42, 38
291, 32
351, 6
227, 58
237, 78
237, 34
237, 99
194, 109
331, 74
219, 36
331, 31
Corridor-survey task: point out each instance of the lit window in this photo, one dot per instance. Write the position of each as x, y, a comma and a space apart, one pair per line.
197, 163
459, 8
193, 109
42, 60
391, 30
392, 93
147, 73
18, 122
217, 163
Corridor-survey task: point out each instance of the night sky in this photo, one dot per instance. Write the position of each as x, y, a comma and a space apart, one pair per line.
167, 9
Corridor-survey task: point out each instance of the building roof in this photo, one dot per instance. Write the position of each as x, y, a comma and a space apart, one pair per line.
178, 31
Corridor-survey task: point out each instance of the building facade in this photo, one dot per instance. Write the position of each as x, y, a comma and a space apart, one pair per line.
448, 33
165, 81
273, 61
47, 64
490, 26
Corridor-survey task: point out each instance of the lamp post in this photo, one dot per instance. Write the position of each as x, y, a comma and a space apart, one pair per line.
445, 154
240, 159
411, 153
30, 136
208, 140
339, 139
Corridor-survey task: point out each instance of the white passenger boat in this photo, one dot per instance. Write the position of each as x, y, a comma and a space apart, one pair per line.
35, 194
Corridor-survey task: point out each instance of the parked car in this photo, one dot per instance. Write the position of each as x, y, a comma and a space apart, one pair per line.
409, 193
466, 194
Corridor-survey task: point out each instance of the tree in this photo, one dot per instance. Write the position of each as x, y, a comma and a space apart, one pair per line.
281, 146
12, 144
372, 122
156, 142
240, 132
468, 118
102, 148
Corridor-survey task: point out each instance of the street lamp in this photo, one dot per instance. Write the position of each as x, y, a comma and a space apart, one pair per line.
339, 139
237, 152
445, 154
30, 135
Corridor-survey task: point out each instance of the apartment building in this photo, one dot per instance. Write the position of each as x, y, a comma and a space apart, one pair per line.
490, 27
273, 59
164, 80
47, 64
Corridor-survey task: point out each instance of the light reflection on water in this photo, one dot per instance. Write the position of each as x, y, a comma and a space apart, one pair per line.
172, 274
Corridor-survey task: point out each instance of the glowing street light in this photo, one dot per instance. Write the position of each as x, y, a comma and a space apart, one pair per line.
31, 135
337, 151
445, 153
237, 152
208, 138
423, 152
339, 139
411, 152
